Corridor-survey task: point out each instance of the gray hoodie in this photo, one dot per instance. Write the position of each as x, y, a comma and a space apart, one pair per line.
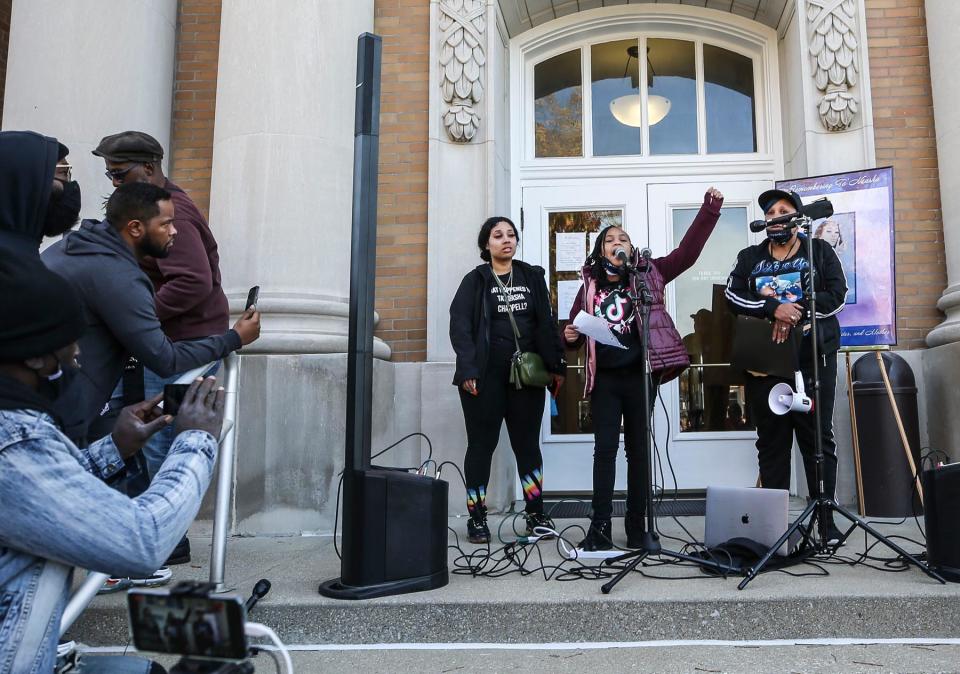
121, 321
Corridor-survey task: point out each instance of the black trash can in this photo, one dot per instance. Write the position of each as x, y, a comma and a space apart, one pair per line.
889, 488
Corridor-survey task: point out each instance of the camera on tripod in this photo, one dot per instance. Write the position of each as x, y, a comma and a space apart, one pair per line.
190, 620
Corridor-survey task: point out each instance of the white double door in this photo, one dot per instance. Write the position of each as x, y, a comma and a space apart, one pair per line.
654, 215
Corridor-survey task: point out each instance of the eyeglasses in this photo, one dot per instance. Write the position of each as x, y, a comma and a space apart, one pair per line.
118, 174
63, 172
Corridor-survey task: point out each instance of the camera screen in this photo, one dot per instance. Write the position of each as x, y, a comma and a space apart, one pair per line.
186, 625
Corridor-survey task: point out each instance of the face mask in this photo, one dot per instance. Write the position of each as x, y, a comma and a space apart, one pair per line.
780, 236
611, 268
63, 210
55, 384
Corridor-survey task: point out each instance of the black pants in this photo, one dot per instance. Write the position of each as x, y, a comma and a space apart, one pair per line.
497, 401
618, 394
775, 433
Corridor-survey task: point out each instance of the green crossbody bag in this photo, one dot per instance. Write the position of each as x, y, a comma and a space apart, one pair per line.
526, 367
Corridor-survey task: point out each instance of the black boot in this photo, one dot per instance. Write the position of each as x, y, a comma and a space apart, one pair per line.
598, 537
477, 529
634, 526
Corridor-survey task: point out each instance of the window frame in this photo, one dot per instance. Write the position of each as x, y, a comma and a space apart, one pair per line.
641, 22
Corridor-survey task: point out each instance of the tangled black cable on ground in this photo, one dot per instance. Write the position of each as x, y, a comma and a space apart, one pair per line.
524, 554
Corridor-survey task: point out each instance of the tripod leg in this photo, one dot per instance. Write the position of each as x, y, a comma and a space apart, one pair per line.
754, 570
857, 521
606, 587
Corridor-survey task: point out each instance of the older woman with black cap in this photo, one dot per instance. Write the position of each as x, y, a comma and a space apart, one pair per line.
58, 511
771, 280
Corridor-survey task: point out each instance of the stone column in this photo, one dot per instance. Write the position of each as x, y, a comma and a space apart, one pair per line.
942, 18
280, 203
280, 196
468, 182
826, 104
82, 70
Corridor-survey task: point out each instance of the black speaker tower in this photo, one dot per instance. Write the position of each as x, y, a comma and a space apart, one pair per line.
394, 522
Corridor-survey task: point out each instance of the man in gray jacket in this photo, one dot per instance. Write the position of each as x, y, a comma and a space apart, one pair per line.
101, 260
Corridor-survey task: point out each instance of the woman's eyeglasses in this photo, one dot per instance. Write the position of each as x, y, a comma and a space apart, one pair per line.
63, 172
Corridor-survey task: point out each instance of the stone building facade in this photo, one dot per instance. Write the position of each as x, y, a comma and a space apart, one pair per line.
253, 100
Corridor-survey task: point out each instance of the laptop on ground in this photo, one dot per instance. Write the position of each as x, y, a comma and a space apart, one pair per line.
747, 512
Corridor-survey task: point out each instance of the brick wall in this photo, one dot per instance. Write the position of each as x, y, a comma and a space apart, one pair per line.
401, 298
5, 6
906, 139
195, 97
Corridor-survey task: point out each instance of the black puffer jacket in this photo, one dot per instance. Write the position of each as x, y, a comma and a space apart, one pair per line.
470, 322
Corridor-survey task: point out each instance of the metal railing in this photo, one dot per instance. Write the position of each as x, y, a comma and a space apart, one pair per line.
221, 518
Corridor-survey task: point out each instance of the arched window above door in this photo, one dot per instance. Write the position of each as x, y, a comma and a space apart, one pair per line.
653, 88
696, 98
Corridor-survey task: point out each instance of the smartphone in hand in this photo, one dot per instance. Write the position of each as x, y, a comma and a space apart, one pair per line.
173, 397
252, 298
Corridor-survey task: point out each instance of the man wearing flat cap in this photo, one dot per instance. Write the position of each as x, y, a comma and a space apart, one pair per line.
189, 298
59, 511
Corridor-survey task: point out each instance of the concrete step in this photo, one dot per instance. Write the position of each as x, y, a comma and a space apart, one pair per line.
669, 602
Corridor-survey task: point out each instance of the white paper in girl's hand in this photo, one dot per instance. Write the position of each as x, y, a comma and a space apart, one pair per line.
597, 328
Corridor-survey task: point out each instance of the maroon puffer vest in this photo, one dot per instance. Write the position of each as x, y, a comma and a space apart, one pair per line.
668, 357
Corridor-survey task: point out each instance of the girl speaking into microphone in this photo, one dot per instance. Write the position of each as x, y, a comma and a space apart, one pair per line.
614, 376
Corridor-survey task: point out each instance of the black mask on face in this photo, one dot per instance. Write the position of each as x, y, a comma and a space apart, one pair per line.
63, 209
780, 236
53, 386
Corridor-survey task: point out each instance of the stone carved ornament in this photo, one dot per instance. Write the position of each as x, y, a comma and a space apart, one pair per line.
832, 26
462, 61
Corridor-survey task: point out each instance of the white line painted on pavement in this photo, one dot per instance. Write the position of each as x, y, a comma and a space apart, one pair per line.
588, 645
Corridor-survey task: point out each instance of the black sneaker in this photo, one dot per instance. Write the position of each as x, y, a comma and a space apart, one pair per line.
535, 520
634, 528
477, 529
180, 554
598, 537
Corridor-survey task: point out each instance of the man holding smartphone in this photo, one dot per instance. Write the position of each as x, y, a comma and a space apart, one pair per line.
101, 260
190, 301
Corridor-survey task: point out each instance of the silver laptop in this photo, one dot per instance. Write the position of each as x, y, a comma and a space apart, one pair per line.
746, 512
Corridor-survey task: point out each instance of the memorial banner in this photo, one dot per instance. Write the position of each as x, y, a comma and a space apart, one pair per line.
861, 232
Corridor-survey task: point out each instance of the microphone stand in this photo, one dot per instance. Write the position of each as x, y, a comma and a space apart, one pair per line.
650, 541
821, 507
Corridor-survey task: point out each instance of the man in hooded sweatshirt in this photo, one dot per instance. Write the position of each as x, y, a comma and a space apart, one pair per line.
101, 260
59, 511
35, 202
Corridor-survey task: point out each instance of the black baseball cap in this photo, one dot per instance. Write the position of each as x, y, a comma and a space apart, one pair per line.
770, 197
130, 146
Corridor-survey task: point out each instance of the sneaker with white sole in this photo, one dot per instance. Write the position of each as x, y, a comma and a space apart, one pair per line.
159, 577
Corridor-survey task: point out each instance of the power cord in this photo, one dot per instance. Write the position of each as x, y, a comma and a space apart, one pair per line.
429, 459
261, 630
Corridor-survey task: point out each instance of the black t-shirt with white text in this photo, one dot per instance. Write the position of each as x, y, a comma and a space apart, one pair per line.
521, 302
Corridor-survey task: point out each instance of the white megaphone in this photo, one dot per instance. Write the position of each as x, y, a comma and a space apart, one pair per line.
783, 399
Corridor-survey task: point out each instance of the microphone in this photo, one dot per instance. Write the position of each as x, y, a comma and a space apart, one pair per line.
646, 253
621, 254
259, 592
815, 210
